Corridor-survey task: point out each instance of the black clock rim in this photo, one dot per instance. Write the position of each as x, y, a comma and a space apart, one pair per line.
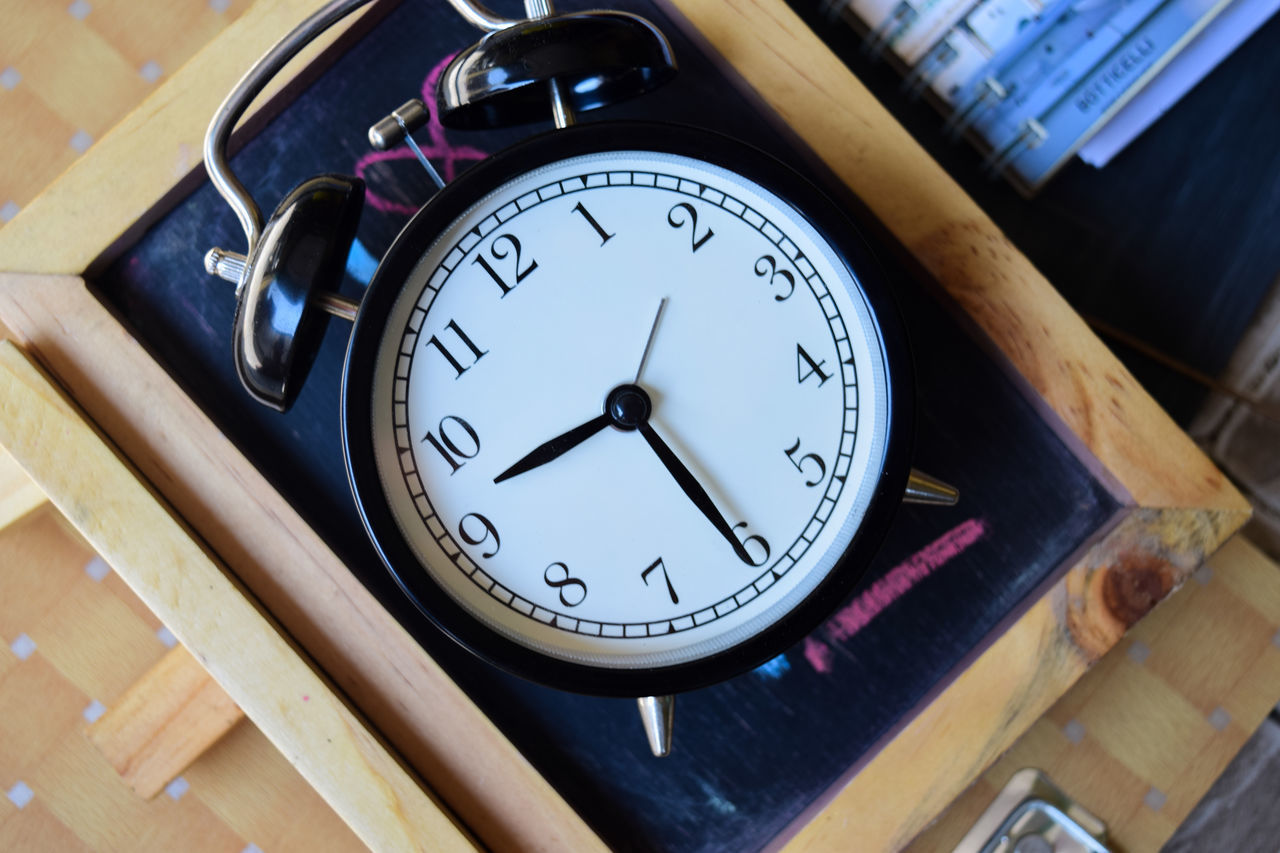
431, 600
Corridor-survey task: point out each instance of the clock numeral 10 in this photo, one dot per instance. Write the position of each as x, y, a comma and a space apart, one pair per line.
759, 540
452, 446
658, 564
605, 236
495, 249
476, 352
689, 217
577, 589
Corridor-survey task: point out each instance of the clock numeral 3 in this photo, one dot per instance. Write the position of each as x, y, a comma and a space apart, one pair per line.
689, 217
808, 457
759, 540
476, 352
605, 236
495, 249
768, 265
803, 359
451, 445
490, 532
658, 564
577, 588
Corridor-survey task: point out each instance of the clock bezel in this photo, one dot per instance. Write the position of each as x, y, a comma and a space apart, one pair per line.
431, 599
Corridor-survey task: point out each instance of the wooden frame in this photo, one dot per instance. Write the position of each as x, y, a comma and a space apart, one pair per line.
1178, 507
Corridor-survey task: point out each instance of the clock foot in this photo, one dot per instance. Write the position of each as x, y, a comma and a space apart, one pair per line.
923, 489
657, 713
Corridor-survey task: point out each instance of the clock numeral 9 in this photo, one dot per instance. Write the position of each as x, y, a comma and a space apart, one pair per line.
452, 446
577, 589
759, 540
689, 217
767, 265
808, 457
495, 249
490, 532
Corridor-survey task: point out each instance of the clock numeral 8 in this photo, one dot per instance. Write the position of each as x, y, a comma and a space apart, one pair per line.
454, 447
577, 588
691, 217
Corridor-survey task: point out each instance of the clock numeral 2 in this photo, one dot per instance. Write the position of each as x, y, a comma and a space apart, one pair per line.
768, 265
577, 588
691, 218
451, 445
501, 254
746, 543
476, 352
658, 564
808, 457
815, 367
605, 236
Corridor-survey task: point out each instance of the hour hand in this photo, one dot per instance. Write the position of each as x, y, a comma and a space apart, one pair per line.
557, 446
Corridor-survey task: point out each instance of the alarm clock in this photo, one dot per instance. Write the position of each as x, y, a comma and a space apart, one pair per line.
626, 407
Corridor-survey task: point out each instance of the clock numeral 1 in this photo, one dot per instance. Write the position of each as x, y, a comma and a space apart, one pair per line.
490, 532
760, 540
501, 254
605, 236
453, 447
577, 588
815, 367
690, 217
658, 564
768, 265
808, 457
476, 352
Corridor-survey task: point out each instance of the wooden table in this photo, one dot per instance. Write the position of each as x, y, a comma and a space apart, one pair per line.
1179, 507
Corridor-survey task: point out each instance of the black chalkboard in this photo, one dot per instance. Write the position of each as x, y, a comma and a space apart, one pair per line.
751, 754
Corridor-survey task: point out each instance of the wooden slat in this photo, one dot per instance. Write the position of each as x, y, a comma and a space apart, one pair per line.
115, 512
18, 494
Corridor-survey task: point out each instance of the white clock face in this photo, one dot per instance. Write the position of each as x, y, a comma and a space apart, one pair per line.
591, 509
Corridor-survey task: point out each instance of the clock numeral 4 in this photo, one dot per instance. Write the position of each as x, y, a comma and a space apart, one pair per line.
688, 216
760, 541
658, 564
476, 352
457, 443
803, 360
497, 250
490, 532
605, 236
808, 457
577, 588
767, 265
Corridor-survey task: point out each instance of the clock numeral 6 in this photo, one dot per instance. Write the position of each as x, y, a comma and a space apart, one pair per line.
808, 457
452, 445
758, 540
496, 249
767, 265
689, 217
490, 532
577, 589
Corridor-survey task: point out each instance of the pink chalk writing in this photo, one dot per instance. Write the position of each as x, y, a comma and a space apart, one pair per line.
444, 156
856, 615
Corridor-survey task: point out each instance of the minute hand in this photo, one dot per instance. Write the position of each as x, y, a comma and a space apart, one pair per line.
693, 489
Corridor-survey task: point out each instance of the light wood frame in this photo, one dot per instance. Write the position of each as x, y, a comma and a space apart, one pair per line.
1179, 508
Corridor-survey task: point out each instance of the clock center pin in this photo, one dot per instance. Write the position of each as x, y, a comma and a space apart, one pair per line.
628, 406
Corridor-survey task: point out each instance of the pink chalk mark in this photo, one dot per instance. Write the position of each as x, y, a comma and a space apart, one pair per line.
856, 615
306, 698
444, 156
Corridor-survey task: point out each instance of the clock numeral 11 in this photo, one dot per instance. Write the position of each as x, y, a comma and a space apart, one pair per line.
658, 564
452, 446
476, 352
501, 254
605, 236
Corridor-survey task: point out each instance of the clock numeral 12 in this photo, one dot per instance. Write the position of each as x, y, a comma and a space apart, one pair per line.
501, 254
578, 588
644, 576
452, 446
476, 352
690, 217
605, 236
808, 457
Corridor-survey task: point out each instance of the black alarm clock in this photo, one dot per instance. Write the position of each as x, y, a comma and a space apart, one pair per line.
627, 407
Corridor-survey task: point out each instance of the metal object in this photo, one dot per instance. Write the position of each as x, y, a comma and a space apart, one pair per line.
923, 489
480, 17
1033, 815
657, 713
399, 127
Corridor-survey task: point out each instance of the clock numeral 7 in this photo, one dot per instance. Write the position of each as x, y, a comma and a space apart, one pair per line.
452, 446
495, 249
658, 564
808, 457
476, 352
759, 540
576, 586
689, 217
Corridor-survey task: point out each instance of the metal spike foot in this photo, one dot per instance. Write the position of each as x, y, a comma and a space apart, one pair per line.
657, 713
923, 489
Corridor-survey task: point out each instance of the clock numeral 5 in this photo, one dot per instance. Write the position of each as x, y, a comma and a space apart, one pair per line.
767, 265
689, 217
495, 249
577, 588
759, 540
490, 532
476, 352
453, 446
658, 564
808, 457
